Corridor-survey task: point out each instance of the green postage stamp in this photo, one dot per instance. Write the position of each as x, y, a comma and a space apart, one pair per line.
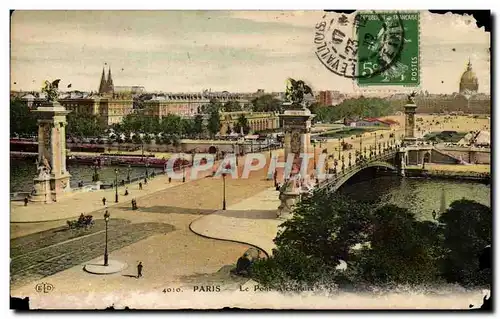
374, 48
390, 52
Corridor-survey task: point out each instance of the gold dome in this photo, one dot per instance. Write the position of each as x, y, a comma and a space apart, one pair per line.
468, 81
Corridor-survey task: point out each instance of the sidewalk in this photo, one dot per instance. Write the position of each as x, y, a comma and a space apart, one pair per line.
75, 204
252, 221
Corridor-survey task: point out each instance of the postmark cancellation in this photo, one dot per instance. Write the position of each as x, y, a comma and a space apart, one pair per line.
373, 48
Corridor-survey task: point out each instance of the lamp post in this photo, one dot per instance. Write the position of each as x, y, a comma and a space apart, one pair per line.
147, 165
223, 191
183, 172
340, 146
128, 174
228, 166
106, 220
360, 143
270, 151
314, 154
116, 185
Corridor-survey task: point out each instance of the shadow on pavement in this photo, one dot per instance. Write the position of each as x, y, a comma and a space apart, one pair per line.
169, 210
249, 214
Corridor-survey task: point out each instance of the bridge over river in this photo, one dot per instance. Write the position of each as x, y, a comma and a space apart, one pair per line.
397, 157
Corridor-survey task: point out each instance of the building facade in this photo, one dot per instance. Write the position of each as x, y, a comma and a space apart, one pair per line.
466, 100
329, 97
113, 110
258, 121
186, 104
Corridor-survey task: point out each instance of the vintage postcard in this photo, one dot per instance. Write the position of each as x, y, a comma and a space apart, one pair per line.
250, 159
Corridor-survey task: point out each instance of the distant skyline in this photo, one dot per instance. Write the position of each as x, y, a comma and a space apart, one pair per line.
236, 51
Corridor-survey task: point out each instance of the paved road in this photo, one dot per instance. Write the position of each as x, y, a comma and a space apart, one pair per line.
30, 262
168, 255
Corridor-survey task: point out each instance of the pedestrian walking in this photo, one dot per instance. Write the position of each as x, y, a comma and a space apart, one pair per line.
26, 201
170, 180
104, 201
146, 181
126, 191
140, 185
139, 269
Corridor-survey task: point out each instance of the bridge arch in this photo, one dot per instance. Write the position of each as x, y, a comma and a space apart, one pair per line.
349, 174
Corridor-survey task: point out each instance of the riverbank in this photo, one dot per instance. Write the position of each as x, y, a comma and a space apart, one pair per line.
477, 172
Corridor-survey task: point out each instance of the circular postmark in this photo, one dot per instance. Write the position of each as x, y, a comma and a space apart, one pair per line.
361, 45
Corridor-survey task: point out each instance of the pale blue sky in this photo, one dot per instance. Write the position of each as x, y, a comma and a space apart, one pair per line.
223, 50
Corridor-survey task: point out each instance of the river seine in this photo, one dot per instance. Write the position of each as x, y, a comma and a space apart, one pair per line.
420, 195
22, 172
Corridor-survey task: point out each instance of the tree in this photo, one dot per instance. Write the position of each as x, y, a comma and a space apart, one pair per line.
213, 125
323, 230
147, 138
198, 124
171, 124
22, 120
326, 225
401, 249
314, 107
176, 140
266, 103
242, 123
187, 127
353, 108
211, 106
467, 230
83, 125
141, 123
232, 106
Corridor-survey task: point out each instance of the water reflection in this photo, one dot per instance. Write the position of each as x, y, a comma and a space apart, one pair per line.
420, 195
22, 172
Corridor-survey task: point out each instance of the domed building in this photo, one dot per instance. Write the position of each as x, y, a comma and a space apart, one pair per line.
468, 81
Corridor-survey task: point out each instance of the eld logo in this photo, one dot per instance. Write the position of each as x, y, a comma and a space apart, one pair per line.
44, 287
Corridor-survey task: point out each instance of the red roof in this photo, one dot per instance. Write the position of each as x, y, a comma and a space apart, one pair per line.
386, 121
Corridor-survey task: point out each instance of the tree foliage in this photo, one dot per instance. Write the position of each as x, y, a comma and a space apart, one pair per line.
83, 125
198, 125
266, 103
399, 252
232, 106
214, 124
242, 123
339, 223
353, 108
468, 229
22, 120
382, 245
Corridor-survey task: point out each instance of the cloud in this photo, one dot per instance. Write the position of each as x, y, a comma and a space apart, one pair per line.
232, 50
